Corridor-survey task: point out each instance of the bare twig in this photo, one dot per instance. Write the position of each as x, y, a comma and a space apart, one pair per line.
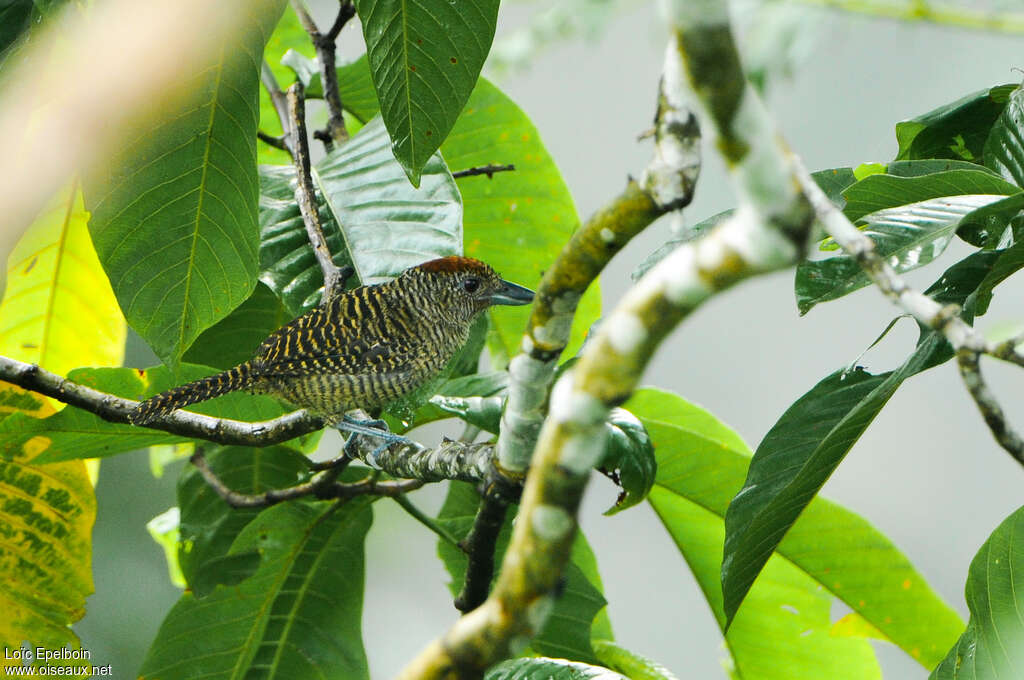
488, 170
276, 142
323, 486
279, 101
325, 53
305, 194
991, 411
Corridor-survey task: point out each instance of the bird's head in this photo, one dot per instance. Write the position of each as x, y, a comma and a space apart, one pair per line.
464, 286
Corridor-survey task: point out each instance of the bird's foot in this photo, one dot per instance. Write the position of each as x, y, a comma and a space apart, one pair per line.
370, 428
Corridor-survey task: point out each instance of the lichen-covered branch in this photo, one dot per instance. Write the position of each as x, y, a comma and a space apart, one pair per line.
770, 230
666, 184
305, 194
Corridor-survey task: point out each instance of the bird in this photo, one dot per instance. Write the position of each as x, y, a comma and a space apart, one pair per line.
364, 348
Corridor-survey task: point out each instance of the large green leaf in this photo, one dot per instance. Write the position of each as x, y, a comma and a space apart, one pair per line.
387, 225
993, 644
569, 627
549, 669
1004, 148
235, 338
424, 59
75, 433
208, 526
881, 191
909, 236
174, 220
46, 518
784, 629
956, 130
297, 616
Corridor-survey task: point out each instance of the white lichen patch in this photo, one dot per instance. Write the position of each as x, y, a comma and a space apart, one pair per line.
607, 235
555, 331
525, 369
571, 405
580, 452
625, 332
551, 522
538, 611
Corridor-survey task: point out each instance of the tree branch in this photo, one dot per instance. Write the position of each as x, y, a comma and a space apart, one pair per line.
488, 170
324, 43
305, 194
479, 545
279, 101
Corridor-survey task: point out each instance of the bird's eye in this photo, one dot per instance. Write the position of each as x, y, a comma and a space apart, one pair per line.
470, 284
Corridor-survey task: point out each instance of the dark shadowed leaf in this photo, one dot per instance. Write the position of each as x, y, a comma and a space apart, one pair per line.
235, 339
387, 225
424, 60
1004, 148
784, 630
299, 613
629, 454
174, 217
957, 130
993, 644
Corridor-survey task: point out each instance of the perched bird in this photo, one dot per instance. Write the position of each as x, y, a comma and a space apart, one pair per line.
365, 348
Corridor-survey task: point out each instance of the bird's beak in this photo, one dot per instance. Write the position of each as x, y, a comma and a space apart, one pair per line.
512, 294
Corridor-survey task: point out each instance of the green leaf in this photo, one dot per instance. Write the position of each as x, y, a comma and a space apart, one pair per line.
628, 662
879, 192
208, 525
74, 433
909, 236
930, 166
629, 455
388, 226
236, 338
549, 669
298, 614
517, 221
568, 629
174, 221
424, 60
992, 225
1007, 263
1004, 148
46, 518
784, 629
355, 88
164, 531
993, 644
935, 134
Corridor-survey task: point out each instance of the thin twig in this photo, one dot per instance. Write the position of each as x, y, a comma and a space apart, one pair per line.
278, 99
276, 142
488, 170
325, 53
426, 521
305, 194
970, 370
479, 545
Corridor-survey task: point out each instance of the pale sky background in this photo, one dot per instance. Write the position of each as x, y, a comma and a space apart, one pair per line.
927, 472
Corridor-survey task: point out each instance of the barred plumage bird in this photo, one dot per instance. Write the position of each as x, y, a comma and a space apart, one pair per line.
366, 348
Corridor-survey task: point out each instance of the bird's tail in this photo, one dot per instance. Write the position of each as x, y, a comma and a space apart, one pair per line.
237, 378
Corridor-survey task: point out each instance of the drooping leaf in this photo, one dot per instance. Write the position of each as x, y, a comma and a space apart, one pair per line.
74, 433
58, 310
424, 60
993, 644
783, 629
630, 456
299, 613
163, 529
534, 668
174, 218
234, 339
208, 525
957, 130
909, 236
46, 518
634, 666
387, 225
1004, 148
569, 626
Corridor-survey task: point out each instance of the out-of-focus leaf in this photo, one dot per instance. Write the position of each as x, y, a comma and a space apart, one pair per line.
534, 668
687, 234
424, 61
784, 628
58, 310
957, 130
1004, 148
164, 530
235, 338
46, 518
993, 644
633, 665
309, 581
74, 433
174, 217
568, 629
387, 225
629, 455
879, 192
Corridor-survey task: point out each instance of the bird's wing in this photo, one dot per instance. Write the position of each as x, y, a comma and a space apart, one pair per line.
304, 350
